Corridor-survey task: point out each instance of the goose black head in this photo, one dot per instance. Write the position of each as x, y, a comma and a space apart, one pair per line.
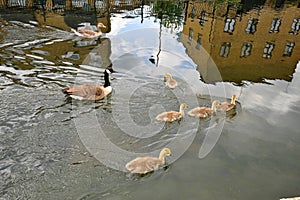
109, 69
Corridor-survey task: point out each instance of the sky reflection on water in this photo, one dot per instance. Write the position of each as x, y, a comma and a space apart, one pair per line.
216, 52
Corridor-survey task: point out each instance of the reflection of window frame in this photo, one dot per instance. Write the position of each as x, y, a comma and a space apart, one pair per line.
225, 49
229, 25
117, 2
193, 12
288, 49
99, 4
19, 3
295, 26
276, 22
268, 49
246, 49
251, 26
199, 41
202, 18
79, 3
191, 34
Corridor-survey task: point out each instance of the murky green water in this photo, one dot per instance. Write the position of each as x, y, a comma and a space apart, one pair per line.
53, 147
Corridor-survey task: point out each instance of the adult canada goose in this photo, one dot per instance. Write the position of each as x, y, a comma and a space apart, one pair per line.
203, 112
171, 116
89, 33
143, 165
226, 106
170, 82
91, 91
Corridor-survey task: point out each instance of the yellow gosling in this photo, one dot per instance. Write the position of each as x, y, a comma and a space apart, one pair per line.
171, 83
171, 116
226, 106
143, 165
203, 112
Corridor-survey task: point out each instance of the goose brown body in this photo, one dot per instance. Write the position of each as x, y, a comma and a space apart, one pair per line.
170, 82
171, 116
90, 91
89, 33
87, 91
143, 165
203, 112
226, 106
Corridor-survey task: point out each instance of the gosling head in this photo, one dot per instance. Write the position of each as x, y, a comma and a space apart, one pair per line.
233, 99
183, 106
100, 25
168, 75
166, 152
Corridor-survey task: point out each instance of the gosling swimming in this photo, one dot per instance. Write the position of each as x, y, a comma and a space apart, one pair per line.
226, 106
171, 116
170, 82
143, 165
203, 112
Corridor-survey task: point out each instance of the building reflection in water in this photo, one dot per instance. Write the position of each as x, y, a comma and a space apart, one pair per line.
250, 40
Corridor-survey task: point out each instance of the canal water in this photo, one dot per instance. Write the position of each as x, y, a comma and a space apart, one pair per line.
55, 147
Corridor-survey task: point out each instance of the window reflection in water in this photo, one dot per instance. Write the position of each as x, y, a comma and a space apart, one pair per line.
191, 34
193, 13
275, 25
269, 47
199, 41
225, 49
229, 25
246, 49
78, 3
251, 26
202, 18
288, 50
295, 26
117, 2
100, 4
